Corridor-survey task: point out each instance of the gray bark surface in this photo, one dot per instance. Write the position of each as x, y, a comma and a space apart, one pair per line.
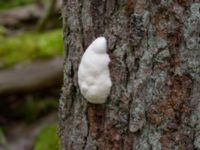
155, 70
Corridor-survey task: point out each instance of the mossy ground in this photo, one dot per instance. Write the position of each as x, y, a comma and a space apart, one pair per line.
8, 4
30, 46
5, 4
47, 139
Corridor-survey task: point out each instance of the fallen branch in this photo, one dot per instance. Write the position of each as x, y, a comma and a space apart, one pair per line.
28, 14
33, 77
14, 17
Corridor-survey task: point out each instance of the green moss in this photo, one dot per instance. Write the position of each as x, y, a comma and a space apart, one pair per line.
2, 30
5, 4
47, 139
30, 46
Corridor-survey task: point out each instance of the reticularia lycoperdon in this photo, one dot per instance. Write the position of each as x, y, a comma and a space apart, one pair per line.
93, 73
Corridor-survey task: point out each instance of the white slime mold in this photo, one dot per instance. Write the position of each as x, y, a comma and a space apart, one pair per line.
93, 73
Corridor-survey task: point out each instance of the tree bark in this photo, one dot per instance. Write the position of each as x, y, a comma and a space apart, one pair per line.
154, 102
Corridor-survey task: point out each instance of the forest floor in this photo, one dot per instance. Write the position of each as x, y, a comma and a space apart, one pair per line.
30, 75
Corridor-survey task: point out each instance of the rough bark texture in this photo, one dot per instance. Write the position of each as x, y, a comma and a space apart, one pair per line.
155, 69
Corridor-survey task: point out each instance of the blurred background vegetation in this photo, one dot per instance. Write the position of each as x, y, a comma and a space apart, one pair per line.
31, 56
7, 4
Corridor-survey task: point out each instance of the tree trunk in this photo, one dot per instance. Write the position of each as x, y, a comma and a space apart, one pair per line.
154, 102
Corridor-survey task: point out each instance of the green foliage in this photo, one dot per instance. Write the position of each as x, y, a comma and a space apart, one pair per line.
30, 46
47, 139
32, 108
2, 30
5, 4
3, 142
